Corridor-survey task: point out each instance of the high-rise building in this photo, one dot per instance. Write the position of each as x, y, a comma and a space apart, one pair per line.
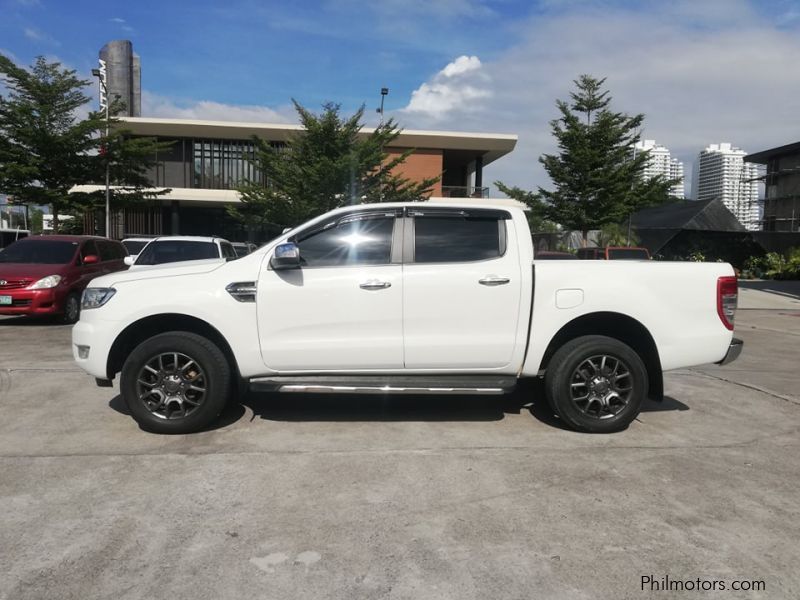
123, 76
720, 172
661, 163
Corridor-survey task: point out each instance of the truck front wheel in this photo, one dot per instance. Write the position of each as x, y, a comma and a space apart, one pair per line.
176, 382
596, 384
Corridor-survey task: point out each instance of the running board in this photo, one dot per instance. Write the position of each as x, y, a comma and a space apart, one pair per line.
401, 384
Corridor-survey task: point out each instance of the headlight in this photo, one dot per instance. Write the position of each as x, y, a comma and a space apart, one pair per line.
45, 283
96, 297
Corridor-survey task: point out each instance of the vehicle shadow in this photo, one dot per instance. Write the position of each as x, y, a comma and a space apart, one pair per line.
233, 412
298, 407
376, 407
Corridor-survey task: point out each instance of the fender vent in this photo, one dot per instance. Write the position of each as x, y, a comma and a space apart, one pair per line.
243, 291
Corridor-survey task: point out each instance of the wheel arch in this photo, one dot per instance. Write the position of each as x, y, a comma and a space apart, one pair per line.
146, 327
621, 327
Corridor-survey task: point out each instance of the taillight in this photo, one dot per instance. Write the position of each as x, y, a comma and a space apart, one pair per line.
727, 295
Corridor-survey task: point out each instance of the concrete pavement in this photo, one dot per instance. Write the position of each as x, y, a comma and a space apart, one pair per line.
335, 497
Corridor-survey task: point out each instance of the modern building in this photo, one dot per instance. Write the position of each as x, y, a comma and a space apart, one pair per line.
208, 160
720, 172
661, 163
123, 75
782, 191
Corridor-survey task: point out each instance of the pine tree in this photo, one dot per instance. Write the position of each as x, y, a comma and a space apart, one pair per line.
598, 178
325, 166
46, 148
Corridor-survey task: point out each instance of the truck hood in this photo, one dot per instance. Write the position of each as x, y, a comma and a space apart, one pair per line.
140, 273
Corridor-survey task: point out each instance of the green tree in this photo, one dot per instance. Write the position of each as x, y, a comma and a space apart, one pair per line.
598, 178
616, 234
326, 165
47, 148
36, 223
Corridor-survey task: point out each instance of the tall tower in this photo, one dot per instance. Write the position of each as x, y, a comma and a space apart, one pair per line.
722, 173
661, 163
124, 75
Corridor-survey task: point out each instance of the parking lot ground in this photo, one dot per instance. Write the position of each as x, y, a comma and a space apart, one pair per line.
339, 497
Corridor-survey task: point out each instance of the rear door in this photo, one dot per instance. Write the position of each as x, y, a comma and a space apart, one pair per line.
461, 289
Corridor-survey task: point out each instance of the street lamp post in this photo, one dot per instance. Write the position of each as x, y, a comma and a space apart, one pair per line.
101, 77
384, 93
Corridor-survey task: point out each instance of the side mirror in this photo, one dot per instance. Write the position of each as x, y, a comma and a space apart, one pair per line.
285, 256
128, 260
91, 259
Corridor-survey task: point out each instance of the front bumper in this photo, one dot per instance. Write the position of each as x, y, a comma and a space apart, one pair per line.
96, 338
32, 302
734, 350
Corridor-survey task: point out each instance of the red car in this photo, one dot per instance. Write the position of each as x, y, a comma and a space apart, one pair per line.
45, 275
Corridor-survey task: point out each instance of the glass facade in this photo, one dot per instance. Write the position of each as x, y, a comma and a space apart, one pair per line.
223, 164
216, 164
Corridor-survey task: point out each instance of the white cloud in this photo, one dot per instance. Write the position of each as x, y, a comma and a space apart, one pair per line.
461, 65
701, 74
459, 87
117, 20
154, 105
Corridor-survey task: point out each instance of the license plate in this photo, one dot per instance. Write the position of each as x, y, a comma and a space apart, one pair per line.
5, 300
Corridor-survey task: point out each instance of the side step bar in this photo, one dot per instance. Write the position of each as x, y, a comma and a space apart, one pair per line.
387, 384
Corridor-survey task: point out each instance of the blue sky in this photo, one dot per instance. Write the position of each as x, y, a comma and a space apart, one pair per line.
701, 71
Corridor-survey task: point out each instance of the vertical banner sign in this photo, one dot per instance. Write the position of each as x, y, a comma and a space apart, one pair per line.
103, 87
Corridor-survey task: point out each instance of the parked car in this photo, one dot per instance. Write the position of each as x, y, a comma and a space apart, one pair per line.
243, 248
404, 298
135, 245
45, 275
172, 249
553, 255
614, 253
627, 253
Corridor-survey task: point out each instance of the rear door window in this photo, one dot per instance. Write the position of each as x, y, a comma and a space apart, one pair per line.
107, 251
443, 238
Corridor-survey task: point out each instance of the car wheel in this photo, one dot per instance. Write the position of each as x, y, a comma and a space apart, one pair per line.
596, 384
72, 309
176, 382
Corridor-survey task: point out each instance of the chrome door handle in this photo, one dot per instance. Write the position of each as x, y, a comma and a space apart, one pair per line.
494, 280
374, 284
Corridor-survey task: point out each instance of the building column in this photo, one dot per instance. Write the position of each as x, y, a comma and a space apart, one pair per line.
479, 171
175, 225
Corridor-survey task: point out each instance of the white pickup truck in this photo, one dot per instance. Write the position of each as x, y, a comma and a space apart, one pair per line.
404, 298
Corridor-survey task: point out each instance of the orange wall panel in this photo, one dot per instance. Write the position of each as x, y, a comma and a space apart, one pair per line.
421, 164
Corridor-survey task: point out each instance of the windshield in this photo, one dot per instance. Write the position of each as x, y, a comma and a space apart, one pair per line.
134, 247
41, 252
167, 251
241, 249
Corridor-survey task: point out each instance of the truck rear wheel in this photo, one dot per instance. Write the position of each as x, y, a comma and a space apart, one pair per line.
176, 382
596, 384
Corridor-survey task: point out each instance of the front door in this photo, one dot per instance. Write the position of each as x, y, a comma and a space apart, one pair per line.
343, 308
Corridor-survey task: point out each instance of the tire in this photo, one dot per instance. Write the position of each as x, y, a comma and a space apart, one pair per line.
175, 382
611, 401
72, 309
